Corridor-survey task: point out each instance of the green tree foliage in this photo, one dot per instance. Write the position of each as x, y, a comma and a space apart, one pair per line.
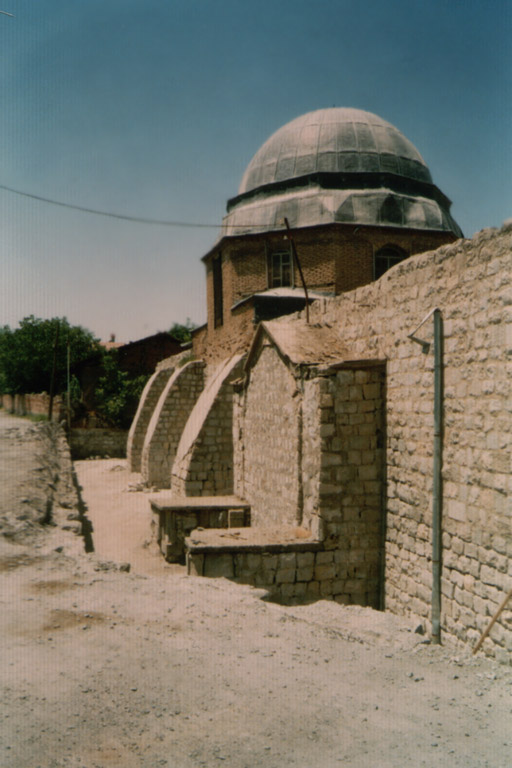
117, 394
26, 354
183, 331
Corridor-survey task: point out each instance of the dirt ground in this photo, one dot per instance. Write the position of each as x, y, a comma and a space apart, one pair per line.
101, 667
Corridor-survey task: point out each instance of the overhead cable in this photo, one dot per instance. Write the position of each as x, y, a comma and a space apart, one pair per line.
124, 217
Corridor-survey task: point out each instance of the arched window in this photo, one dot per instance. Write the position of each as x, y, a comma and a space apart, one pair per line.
386, 258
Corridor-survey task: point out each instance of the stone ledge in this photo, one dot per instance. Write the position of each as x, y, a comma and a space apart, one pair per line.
239, 540
169, 503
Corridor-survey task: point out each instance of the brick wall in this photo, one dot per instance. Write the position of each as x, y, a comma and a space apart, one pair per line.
36, 405
334, 259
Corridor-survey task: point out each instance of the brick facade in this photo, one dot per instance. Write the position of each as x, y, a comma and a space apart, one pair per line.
334, 258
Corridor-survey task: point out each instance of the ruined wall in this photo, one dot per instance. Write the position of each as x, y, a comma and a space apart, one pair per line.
471, 282
267, 430
167, 422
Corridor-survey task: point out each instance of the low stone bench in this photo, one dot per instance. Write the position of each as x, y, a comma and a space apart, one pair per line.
282, 560
175, 517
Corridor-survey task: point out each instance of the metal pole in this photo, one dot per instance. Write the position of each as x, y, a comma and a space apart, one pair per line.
437, 479
296, 257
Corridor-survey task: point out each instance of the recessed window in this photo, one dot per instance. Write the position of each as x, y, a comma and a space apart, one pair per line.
386, 258
280, 271
218, 304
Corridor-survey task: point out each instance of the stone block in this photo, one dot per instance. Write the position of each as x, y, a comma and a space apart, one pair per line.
325, 572
285, 576
287, 560
324, 557
216, 566
305, 559
326, 588
304, 573
195, 564
300, 589
287, 590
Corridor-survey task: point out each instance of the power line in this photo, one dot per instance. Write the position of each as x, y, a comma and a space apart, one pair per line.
125, 217
109, 214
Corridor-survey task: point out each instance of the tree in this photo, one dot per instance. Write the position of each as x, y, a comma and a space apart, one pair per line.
183, 331
27, 354
116, 394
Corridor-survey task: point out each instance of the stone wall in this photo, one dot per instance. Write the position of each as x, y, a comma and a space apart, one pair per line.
85, 443
147, 404
309, 452
203, 465
471, 283
349, 502
267, 429
167, 422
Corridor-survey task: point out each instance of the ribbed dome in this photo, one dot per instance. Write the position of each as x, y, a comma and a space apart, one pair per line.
338, 166
337, 140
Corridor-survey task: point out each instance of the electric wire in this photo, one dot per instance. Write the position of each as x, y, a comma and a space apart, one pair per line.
123, 216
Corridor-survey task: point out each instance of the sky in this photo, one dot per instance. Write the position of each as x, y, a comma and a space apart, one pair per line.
154, 108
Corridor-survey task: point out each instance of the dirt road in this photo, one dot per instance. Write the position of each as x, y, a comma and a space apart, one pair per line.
154, 668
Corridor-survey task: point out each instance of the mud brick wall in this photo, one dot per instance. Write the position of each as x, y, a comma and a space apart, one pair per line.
167, 422
470, 281
267, 437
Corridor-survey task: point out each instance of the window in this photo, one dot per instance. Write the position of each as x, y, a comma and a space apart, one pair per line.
280, 269
218, 308
386, 258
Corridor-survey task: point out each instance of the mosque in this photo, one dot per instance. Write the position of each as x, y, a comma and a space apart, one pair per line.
297, 439
359, 199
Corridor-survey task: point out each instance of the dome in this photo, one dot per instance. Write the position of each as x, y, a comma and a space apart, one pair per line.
338, 165
334, 140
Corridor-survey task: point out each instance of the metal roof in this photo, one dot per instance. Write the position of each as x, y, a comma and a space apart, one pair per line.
341, 166
334, 140
315, 205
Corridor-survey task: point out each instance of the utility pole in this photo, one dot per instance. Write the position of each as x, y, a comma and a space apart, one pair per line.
296, 258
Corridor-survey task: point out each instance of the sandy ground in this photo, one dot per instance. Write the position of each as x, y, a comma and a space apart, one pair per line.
154, 668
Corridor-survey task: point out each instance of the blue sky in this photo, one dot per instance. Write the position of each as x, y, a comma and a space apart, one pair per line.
154, 108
